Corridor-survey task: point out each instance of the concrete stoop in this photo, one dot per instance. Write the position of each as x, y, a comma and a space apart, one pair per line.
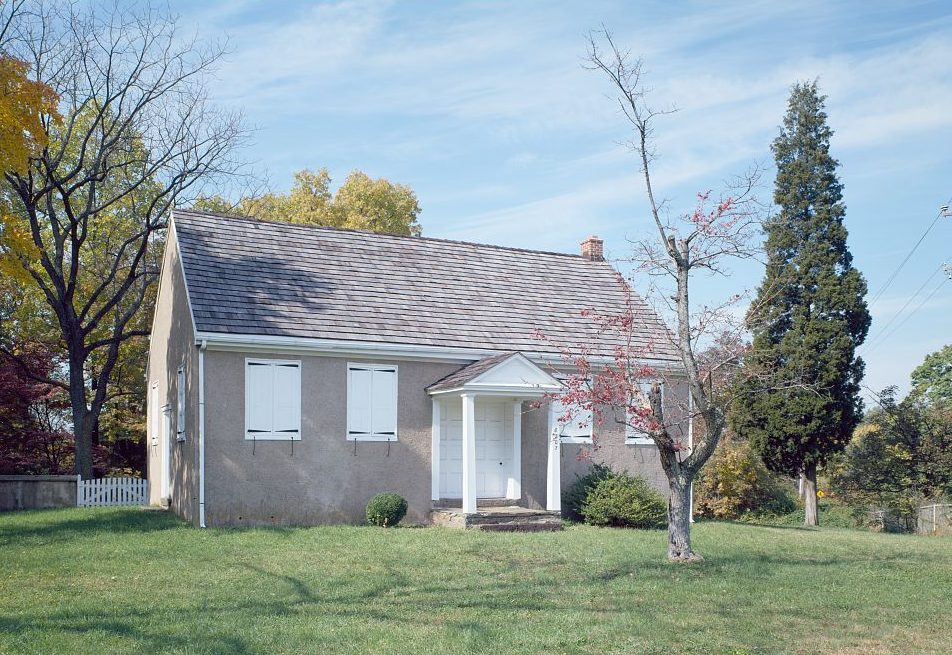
498, 519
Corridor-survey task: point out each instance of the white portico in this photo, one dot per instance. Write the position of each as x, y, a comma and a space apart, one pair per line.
477, 431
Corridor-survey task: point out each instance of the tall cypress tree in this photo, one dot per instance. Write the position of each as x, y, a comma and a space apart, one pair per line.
810, 314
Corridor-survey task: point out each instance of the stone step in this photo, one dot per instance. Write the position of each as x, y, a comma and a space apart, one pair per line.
521, 526
502, 519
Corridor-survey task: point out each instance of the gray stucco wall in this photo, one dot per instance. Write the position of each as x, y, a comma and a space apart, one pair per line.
37, 491
325, 479
171, 345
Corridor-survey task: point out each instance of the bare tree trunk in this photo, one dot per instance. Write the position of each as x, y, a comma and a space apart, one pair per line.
82, 434
679, 523
139, 136
809, 495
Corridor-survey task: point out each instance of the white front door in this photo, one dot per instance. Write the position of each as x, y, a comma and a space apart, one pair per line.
494, 430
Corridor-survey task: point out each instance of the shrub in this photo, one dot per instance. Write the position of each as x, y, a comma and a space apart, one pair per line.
900, 457
386, 510
735, 483
832, 514
574, 496
621, 500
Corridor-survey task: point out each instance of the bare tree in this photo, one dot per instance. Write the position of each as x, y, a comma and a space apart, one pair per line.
708, 340
137, 134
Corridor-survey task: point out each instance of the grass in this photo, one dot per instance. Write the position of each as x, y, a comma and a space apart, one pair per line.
131, 581
830, 514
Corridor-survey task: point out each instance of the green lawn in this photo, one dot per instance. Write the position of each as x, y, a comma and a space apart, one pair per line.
129, 581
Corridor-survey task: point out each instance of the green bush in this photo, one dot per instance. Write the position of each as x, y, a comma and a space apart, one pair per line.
735, 483
577, 492
386, 510
831, 514
624, 501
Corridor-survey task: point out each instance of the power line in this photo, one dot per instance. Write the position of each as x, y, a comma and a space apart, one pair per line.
910, 314
899, 268
895, 316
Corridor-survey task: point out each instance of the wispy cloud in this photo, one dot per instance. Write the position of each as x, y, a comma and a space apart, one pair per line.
486, 110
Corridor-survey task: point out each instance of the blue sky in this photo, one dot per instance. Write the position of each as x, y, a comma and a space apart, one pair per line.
485, 110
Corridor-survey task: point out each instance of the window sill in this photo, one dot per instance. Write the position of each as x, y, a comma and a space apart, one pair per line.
391, 438
639, 442
577, 440
270, 436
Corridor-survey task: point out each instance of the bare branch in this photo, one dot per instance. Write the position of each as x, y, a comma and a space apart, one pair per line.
138, 136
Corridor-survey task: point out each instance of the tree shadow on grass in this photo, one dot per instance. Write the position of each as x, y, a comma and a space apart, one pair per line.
53, 526
361, 599
136, 626
772, 526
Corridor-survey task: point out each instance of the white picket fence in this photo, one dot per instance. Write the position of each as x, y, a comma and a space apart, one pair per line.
108, 492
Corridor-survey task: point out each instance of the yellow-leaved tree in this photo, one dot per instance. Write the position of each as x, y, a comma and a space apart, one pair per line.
23, 103
138, 135
360, 203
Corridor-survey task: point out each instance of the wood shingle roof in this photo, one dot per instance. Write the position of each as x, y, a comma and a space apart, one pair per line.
262, 278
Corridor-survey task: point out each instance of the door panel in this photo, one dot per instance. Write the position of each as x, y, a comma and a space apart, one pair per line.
451, 449
493, 448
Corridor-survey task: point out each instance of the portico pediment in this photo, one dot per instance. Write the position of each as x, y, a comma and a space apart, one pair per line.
506, 374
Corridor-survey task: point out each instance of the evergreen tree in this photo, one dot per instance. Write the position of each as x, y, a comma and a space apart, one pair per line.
810, 314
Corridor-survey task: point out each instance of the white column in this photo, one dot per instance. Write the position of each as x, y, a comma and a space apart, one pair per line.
553, 478
469, 453
514, 488
435, 452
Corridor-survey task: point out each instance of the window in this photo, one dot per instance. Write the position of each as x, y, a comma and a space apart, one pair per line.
180, 404
371, 402
634, 436
578, 428
272, 399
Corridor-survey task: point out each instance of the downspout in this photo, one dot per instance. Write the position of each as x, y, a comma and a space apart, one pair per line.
201, 433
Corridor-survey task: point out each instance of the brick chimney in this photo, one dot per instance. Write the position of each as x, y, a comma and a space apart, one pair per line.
593, 249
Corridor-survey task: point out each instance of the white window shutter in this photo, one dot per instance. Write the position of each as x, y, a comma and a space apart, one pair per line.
631, 432
153, 411
259, 381
180, 404
635, 434
582, 423
578, 426
286, 419
384, 403
359, 385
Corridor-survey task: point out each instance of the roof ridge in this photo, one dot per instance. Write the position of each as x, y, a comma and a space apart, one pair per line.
325, 228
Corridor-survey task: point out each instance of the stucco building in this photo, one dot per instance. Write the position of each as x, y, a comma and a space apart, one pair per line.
296, 371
